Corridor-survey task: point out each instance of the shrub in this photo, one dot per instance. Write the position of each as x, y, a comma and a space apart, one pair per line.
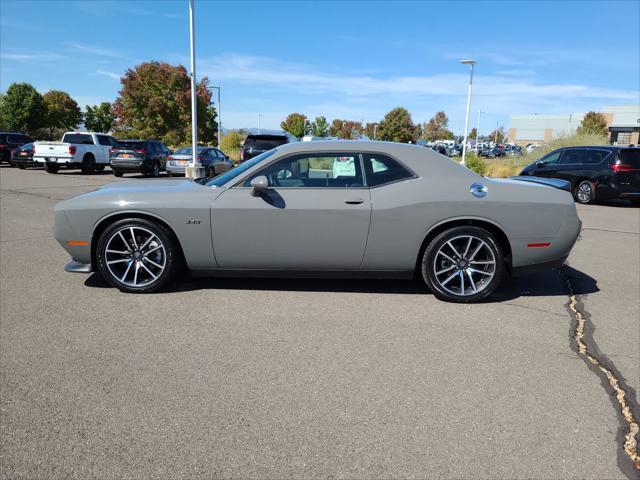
476, 164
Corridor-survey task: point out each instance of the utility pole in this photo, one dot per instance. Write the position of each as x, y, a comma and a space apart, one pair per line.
194, 170
478, 129
471, 63
259, 116
219, 115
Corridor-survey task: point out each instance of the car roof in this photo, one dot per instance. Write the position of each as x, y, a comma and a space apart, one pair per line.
597, 147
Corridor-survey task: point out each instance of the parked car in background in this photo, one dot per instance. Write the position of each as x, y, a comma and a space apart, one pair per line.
214, 160
9, 141
255, 144
323, 208
595, 173
84, 150
139, 156
22, 157
492, 153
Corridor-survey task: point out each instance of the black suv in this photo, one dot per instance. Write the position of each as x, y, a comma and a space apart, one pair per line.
10, 141
256, 144
595, 173
139, 156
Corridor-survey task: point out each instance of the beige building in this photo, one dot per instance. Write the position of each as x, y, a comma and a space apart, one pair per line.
623, 124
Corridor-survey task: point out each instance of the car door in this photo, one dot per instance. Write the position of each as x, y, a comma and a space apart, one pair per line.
547, 166
314, 216
162, 150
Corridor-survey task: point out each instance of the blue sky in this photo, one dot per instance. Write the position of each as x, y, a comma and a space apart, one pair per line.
352, 60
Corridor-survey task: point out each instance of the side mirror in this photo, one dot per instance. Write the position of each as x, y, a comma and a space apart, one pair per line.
539, 164
260, 185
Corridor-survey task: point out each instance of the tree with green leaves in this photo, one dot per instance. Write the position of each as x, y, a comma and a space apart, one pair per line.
99, 118
346, 129
63, 113
397, 126
320, 127
22, 109
593, 123
437, 128
155, 103
295, 124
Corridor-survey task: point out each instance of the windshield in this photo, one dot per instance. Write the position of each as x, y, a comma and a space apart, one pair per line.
239, 170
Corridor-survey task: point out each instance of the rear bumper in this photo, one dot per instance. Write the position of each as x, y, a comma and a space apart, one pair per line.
176, 169
25, 162
136, 166
538, 267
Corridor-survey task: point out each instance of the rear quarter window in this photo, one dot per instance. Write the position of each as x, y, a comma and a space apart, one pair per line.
630, 157
78, 138
18, 139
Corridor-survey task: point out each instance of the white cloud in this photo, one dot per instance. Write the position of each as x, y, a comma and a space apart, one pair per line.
304, 88
112, 75
93, 50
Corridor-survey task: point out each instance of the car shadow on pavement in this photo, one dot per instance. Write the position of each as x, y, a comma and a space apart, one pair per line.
548, 283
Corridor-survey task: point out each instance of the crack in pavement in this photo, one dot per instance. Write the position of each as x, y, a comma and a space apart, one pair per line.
611, 231
584, 344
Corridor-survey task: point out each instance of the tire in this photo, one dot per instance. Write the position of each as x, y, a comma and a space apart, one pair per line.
21, 167
117, 173
100, 168
455, 282
133, 271
155, 170
635, 201
51, 168
584, 192
88, 166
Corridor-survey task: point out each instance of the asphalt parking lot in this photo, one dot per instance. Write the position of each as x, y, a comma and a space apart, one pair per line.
310, 378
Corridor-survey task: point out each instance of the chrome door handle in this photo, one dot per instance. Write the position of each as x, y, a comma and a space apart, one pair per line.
354, 201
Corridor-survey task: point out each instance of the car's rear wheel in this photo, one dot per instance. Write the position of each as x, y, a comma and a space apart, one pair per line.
584, 193
463, 264
51, 168
137, 255
21, 167
118, 173
155, 171
88, 165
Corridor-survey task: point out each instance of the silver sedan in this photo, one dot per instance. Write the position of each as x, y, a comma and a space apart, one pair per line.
356, 209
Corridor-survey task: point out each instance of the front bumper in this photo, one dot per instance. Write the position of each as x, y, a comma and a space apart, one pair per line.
77, 267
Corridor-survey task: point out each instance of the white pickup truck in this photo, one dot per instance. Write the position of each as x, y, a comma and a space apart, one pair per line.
85, 150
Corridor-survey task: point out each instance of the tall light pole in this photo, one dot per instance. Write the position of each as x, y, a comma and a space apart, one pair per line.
471, 63
259, 117
219, 114
193, 172
375, 127
478, 129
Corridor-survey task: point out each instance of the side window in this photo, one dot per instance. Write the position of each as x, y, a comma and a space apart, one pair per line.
552, 157
583, 156
113, 142
381, 169
329, 170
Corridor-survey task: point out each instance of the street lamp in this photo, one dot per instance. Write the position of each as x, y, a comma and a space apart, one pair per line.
219, 115
259, 117
471, 63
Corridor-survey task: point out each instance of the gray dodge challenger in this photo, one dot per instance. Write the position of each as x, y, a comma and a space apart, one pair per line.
327, 208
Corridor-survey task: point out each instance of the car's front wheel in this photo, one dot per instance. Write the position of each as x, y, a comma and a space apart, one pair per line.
137, 255
463, 264
584, 193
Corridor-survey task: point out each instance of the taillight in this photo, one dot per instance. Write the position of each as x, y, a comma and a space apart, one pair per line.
142, 151
623, 167
72, 150
199, 158
169, 158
